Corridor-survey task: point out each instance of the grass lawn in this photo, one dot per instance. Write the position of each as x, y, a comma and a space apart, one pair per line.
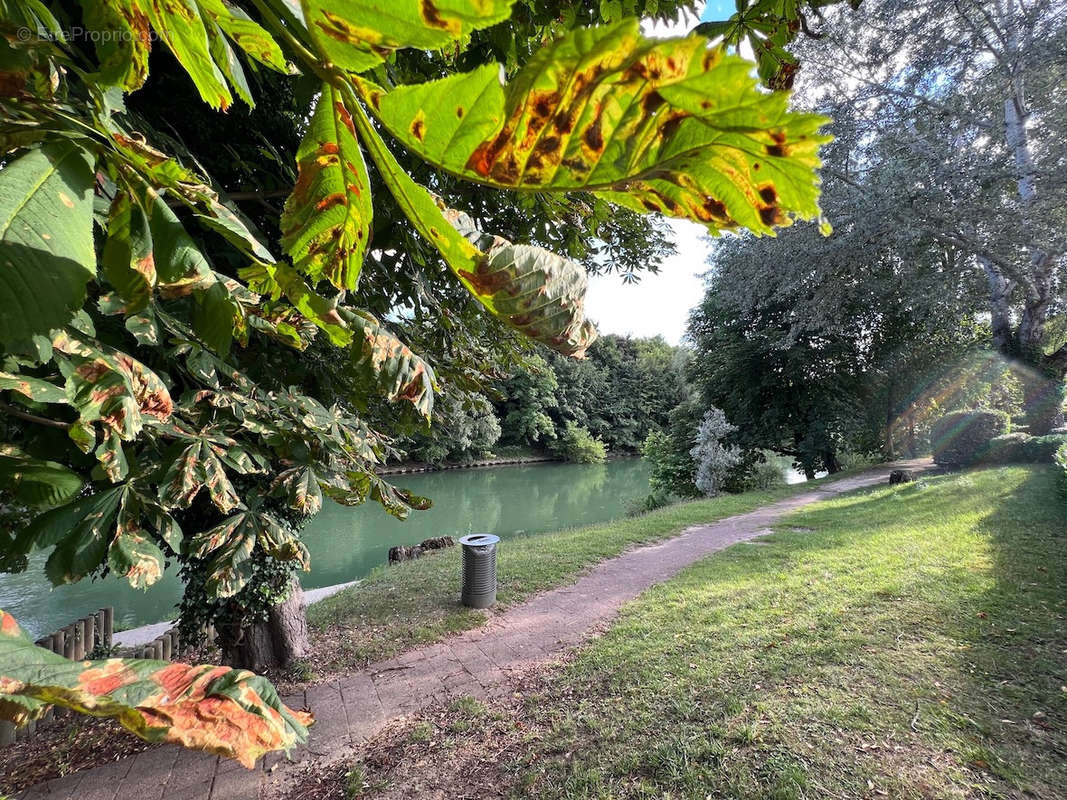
397, 608
901, 642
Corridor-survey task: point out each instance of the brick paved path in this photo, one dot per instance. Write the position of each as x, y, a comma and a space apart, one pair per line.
479, 663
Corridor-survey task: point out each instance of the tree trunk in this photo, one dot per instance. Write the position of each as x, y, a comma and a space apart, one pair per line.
277, 642
829, 460
1000, 291
289, 627
890, 418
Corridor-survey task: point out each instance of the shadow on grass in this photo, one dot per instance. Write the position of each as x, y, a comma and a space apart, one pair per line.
913, 642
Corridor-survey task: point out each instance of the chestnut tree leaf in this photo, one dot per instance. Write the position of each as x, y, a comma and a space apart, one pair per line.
662, 125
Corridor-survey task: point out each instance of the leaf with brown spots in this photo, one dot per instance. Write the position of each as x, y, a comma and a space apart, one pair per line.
538, 293
123, 55
399, 372
109, 388
230, 546
127, 258
46, 240
229, 712
327, 217
357, 35
662, 125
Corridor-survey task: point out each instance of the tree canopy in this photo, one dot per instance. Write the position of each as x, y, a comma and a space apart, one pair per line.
146, 309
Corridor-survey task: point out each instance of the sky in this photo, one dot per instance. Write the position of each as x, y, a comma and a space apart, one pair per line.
658, 304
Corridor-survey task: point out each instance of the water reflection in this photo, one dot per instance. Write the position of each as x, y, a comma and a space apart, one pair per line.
346, 544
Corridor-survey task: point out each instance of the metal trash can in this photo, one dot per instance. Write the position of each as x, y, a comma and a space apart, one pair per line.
479, 570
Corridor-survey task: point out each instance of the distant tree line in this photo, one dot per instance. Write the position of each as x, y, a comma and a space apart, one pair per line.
610, 401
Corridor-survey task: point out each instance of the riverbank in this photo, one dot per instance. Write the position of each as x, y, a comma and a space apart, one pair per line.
496, 461
401, 607
902, 642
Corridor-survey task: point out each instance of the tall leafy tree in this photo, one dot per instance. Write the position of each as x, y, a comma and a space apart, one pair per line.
952, 112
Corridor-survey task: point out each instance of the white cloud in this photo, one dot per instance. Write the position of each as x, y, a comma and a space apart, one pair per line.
658, 304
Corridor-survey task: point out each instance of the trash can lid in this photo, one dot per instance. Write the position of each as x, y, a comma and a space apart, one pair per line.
479, 539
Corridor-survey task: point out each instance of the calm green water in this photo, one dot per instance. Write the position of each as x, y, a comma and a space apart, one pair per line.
347, 543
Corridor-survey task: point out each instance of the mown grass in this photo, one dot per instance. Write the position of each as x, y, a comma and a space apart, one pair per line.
400, 607
904, 642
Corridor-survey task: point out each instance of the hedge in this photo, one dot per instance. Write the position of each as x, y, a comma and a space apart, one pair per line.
1018, 448
962, 438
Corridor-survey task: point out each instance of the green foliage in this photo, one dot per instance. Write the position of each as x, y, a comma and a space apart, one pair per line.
465, 427
577, 444
621, 391
672, 470
531, 392
1020, 448
757, 471
961, 438
768, 27
154, 349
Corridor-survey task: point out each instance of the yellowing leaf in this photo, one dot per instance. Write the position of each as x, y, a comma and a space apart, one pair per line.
326, 221
359, 34
654, 125
230, 712
538, 293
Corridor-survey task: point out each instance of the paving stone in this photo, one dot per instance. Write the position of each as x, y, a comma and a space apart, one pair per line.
243, 785
199, 790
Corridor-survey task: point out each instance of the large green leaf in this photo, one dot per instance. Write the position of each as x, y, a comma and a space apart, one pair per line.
181, 265
229, 712
180, 25
359, 34
123, 53
326, 221
127, 259
79, 531
216, 317
35, 481
534, 291
46, 240
664, 125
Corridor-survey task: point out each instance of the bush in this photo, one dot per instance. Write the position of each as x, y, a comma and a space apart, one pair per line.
1006, 449
962, 438
757, 470
1043, 449
579, 445
1018, 448
670, 467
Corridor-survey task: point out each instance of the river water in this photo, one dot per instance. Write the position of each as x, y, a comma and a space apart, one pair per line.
347, 543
